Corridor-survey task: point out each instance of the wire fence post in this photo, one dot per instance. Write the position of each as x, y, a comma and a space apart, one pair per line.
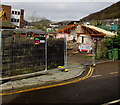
0, 62
65, 51
94, 51
0, 53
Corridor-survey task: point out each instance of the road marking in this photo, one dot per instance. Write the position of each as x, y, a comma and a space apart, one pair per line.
96, 75
113, 72
112, 102
90, 72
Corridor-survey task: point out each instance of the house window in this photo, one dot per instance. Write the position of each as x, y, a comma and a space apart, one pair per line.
82, 39
12, 12
16, 12
74, 40
12, 20
17, 20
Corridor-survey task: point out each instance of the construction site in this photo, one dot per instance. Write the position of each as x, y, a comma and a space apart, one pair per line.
84, 39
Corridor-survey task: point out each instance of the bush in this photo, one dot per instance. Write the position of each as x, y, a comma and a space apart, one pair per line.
113, 42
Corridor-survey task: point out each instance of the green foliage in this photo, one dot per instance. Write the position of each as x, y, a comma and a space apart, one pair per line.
41, 27
101, 50
118, 29
113, 42
118, 33
40, 24
5, 24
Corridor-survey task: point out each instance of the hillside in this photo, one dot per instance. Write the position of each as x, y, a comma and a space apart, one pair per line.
42, 22
111, 12
65, 22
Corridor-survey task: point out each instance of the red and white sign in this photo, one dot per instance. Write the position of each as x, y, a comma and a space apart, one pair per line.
85, 47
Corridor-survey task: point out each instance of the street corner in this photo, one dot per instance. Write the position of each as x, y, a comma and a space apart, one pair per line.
54, 82
55, 77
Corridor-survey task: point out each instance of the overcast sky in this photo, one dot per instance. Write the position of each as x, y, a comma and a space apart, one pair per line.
58, 11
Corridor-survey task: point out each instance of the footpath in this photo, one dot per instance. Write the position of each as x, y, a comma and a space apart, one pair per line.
76, 67
51, 76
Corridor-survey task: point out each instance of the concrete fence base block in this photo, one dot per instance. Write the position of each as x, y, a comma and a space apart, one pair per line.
25, 76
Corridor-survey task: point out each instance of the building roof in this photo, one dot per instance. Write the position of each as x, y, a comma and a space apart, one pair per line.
67, 28
107, 33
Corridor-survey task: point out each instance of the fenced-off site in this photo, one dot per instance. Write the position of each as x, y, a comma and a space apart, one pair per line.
27, 53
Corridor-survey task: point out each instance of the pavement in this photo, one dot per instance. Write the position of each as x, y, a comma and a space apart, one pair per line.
48, 77
51, 76
100, 89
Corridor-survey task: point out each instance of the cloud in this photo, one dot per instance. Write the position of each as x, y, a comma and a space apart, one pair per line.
58, 11
59, 1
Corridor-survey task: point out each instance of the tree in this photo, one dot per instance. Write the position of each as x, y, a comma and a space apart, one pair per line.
34, 17
113, 42
38, 22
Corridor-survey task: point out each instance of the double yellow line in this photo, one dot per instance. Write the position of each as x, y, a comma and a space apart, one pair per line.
89, 74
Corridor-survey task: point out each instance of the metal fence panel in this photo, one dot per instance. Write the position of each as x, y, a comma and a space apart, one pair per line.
24, 54
0, 54
21, 55
55, 52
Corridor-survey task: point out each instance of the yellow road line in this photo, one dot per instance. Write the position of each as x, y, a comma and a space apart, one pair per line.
112, 102
96, 75
90, 72
113, 72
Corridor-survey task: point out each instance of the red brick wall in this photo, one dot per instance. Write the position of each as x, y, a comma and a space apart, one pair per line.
8, 12
22, 19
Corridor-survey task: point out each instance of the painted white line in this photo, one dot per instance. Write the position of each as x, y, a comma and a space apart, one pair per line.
96, 75
112, 102
113, 72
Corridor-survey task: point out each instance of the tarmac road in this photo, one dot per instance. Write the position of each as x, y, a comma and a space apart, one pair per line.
100, 88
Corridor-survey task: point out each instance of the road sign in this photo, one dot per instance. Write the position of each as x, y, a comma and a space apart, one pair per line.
85, 47
39, 40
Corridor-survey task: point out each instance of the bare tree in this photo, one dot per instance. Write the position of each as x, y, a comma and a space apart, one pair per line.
37, 22
34, 17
